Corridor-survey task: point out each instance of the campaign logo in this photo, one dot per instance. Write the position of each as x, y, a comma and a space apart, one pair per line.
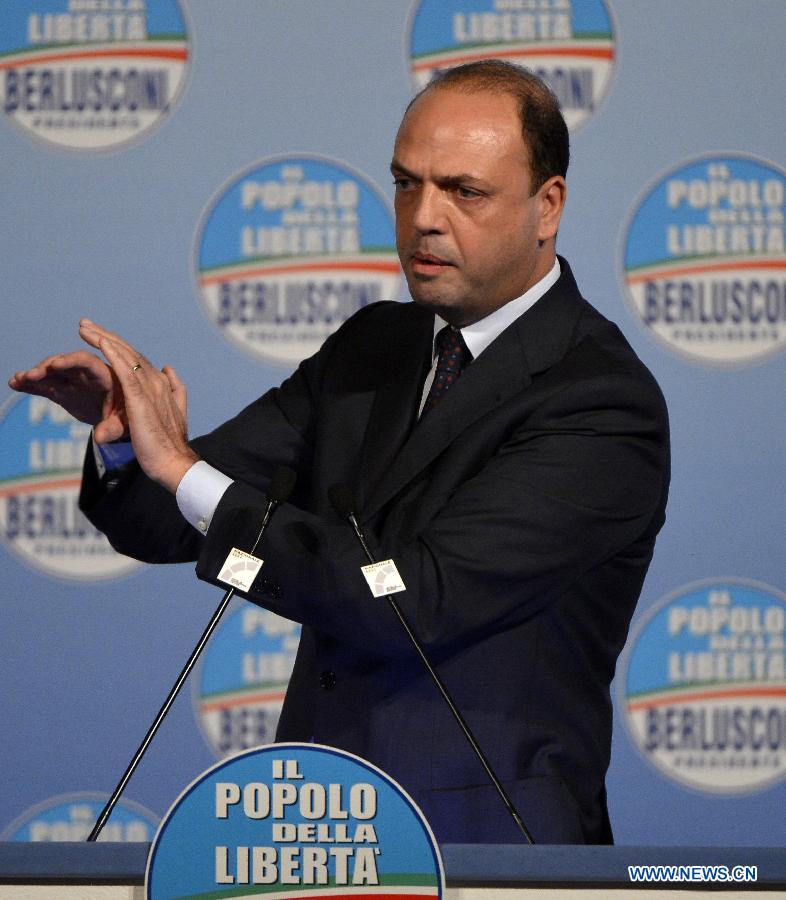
41, 453
703, 686
71, 817
294, 821
568, 43
243, 678
91, 74
288, 250
704, 263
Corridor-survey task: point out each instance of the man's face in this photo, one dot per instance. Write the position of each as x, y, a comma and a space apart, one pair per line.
467, 229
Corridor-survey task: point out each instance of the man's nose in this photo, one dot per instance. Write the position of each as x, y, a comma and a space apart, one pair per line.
429, 213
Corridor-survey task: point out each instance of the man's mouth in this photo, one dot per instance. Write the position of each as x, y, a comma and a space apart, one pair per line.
428, 263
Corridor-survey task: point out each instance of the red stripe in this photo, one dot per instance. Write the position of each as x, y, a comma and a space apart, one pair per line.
388, 268
356, 895
153, 53
592, 52
676, 699
708, 267
242, 701
13, 490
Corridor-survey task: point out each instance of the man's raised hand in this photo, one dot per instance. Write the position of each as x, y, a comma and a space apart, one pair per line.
155, 403
129, 397
84, 385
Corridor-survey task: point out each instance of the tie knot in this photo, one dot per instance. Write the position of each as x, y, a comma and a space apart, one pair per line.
452, 357
450, 346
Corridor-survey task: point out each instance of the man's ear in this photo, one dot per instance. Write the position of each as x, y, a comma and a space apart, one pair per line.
551, 199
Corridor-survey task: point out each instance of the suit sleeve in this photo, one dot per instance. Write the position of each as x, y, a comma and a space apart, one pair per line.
577, 483
142, 519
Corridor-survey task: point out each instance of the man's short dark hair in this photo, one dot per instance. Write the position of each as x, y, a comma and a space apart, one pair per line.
542, 125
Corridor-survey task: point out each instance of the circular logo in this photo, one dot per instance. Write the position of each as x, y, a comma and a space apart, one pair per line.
568, 43
91, 75
71, 817
294, 820
704, 263
41, 453
243, 677
703, 686
288, 250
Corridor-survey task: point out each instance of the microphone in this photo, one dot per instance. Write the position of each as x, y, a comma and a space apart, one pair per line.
344, 504
279, 490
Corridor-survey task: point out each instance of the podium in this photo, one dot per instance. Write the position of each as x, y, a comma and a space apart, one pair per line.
108, 871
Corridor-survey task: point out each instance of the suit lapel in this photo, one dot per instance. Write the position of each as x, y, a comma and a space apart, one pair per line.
490, 380
396, 449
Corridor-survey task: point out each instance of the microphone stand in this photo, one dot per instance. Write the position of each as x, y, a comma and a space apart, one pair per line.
344, 503
280, 488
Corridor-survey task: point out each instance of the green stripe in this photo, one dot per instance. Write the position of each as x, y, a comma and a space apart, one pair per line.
264, 686
690, 686
680, 260
428, 880
46, 473
535, 42
71, 44
167, 37
593, 36
316, 257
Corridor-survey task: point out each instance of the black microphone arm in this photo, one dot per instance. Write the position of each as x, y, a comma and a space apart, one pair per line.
344, 504
280, 488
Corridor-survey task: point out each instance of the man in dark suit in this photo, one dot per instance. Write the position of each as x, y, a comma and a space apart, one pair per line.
517, 475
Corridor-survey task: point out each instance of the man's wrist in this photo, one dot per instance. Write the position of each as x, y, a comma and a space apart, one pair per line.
172, 475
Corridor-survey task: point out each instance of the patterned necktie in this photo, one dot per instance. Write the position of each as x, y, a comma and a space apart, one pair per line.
452, 357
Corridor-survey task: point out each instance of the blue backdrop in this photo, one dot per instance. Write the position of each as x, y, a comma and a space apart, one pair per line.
682, 92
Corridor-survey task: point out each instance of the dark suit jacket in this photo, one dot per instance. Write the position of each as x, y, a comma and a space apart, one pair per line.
522, 515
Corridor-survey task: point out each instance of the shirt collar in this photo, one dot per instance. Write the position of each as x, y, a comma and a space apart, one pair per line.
481, 333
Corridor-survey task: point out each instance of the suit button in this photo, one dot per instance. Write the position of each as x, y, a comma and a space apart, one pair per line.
327, 680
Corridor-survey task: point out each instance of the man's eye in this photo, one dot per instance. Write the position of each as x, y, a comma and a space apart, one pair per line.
467, 193
401, 183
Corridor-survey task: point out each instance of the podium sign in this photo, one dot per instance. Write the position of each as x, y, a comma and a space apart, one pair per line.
294, 820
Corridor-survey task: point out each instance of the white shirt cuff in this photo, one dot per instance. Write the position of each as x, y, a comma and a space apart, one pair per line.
199, 492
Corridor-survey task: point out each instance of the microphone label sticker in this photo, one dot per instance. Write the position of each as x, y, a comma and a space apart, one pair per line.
568, 43
41, 453
703, 686
704, 260
294, 820
89, 75
240, 569
71, 817
383, 578
288, 250
243, 677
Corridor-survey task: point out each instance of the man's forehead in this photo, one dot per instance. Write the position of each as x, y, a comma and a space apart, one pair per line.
478, 123
440, 107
